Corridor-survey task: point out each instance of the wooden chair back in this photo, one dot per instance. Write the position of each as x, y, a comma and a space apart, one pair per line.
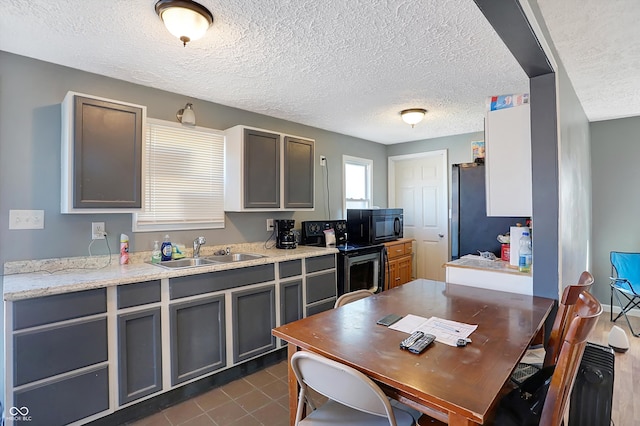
585, 314
566, 307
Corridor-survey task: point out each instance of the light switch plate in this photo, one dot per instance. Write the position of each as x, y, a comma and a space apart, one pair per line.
26, 219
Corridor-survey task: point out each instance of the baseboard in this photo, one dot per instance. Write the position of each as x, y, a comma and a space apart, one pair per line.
616, 310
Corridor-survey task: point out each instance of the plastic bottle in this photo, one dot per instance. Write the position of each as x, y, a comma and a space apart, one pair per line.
124, 249
524, 255
156, 255
166, 248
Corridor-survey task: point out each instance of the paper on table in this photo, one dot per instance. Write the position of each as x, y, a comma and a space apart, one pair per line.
446, 331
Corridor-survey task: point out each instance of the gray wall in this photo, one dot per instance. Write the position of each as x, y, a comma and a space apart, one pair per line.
30, 96
615, 150
575, 222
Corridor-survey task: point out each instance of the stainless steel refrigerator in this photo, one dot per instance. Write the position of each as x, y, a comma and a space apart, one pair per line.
471, 229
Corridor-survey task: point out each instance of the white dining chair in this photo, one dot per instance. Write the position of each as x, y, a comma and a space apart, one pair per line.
351, 297
353, 398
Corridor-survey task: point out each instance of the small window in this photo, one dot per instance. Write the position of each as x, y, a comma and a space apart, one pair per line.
357, 174
184, 178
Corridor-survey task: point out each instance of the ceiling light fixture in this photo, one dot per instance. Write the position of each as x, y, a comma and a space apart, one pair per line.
186, 115
185, 19
413, 116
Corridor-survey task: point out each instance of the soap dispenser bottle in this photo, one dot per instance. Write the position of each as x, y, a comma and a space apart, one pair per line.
166, 248
156, 255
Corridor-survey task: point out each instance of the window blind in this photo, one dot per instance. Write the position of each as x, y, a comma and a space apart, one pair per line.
184, 178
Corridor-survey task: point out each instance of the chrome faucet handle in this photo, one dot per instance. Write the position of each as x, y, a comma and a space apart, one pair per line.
228, 250
196, 246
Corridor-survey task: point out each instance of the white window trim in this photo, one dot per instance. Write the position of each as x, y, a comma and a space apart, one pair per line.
154, 227
369, 190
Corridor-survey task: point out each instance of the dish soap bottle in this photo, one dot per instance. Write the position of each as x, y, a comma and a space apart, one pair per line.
155, 254
166, 248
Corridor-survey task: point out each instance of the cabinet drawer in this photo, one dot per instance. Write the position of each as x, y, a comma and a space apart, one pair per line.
60, 307
408, 248
65, 401
320, 307
290, 268
45, 353
138, 294
217, 281
395, 250
320, 263
321, 287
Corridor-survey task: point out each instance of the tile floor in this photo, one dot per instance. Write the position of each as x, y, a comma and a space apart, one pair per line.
258, 399
261, 398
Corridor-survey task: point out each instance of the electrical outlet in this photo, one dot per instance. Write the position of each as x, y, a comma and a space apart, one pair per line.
269, 224
323, 161
97, 230
26, 219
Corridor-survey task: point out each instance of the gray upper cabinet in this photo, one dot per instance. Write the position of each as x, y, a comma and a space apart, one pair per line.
267, 171
102, 143
298, 173
262, 170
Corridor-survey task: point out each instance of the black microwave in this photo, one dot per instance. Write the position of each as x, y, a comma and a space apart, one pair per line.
374, 226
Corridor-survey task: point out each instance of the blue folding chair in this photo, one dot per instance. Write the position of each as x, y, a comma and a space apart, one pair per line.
625, 271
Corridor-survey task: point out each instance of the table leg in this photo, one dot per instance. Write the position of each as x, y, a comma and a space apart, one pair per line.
293, 385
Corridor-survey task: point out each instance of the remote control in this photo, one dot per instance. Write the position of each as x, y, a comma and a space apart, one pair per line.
422, 343
411, 339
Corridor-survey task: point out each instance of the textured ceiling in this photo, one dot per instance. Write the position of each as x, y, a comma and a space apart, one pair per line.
599, 44
345, 66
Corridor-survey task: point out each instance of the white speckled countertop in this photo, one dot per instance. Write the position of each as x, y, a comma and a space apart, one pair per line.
27, 279
476, 262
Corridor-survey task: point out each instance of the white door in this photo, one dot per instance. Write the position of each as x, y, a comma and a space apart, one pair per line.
418, 183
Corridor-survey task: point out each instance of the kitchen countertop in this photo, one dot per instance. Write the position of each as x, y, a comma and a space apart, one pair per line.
476, 262
57, 276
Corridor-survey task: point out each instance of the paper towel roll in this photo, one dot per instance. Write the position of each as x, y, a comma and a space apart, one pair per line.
515, 232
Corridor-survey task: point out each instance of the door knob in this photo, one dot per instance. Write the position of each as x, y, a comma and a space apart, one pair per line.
441, 235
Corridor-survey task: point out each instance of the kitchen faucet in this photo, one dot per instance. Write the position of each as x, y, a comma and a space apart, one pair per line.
196, 246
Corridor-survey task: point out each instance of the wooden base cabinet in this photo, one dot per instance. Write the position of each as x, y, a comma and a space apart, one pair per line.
399, 262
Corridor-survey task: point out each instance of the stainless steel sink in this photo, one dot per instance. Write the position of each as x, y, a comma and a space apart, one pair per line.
235, 257
188, 262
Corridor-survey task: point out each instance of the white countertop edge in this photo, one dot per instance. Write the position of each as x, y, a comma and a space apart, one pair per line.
37, 284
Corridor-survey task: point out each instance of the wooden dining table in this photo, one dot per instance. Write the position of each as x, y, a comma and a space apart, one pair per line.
457, 385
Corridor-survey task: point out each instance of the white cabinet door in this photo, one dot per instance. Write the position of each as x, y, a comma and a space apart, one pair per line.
508, 161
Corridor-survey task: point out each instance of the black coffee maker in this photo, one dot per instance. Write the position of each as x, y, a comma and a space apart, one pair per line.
285, 238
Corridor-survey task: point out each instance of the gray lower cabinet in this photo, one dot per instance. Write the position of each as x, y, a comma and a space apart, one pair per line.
197, 333
139, 354
291, 301
254, 316
64, 401
320, 283
60, 355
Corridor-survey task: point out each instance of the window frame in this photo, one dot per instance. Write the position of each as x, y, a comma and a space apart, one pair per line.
368, 164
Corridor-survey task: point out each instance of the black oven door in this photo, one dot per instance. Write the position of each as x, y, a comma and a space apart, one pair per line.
362, 271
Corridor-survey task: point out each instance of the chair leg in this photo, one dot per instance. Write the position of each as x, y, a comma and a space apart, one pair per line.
630, 305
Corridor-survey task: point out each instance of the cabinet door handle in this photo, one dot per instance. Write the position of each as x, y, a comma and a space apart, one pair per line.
441, 235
